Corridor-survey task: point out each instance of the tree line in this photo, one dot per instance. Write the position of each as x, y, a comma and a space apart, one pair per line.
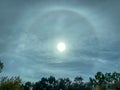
100, 81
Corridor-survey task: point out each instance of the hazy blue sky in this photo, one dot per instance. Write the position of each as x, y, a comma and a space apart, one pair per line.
31, 29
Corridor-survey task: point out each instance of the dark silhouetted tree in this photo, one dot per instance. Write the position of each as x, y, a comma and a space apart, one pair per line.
98, 81
27, 85
1, 66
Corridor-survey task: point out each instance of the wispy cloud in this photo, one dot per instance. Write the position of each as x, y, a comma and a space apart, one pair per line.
30, 30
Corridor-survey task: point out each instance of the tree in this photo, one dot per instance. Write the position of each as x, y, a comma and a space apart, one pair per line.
98, 81
13, 83
108, 78
115, 81
1, 66
41, 85
51, 80
67, 83
61, 84
78, 83
78, 80
116, 77
27, 86
51, 83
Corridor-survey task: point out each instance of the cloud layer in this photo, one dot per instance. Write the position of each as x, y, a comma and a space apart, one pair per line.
30, 31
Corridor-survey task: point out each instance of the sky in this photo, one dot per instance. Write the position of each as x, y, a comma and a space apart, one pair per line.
31, 29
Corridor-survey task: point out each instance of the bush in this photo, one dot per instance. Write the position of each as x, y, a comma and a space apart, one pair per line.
13, 83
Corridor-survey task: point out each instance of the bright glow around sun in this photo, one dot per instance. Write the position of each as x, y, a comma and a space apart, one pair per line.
61, 46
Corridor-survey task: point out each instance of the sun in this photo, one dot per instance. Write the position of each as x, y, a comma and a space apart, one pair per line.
61, 46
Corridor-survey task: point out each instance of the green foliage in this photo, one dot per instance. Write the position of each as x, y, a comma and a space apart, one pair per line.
99, 79
51, 83
78, 80
13, 83
27, 85
108, 77
104, 80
